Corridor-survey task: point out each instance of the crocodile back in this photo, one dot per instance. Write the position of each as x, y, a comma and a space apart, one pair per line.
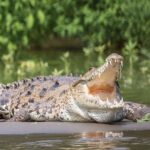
19, 94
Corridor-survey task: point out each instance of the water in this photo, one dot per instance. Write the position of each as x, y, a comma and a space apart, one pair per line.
86, 141
135, 88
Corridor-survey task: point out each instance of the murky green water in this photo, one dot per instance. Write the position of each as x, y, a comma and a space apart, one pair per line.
109, 140
135, 87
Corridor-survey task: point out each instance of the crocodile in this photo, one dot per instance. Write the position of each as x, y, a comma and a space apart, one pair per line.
93, 97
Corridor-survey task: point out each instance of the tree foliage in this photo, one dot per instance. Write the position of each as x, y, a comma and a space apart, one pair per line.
110, 22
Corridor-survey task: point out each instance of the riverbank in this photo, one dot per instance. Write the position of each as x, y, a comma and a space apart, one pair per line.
17, 128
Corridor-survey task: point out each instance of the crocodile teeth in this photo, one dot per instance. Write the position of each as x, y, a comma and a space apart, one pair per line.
122, 102
111, 62
121, 63
109, 103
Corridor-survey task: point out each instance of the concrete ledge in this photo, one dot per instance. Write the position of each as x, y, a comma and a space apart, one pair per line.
67, 127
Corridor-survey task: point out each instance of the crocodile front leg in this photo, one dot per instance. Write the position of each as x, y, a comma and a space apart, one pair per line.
134, 111
30, 113
20, 115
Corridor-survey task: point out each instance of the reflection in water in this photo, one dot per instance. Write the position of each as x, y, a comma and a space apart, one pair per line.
99, 140
101, 135
104, 140
96, 140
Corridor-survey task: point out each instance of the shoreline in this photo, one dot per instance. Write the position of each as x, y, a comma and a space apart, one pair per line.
19, 128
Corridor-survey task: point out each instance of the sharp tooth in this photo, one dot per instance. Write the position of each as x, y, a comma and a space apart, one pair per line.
121, 63
122, 102
107, 102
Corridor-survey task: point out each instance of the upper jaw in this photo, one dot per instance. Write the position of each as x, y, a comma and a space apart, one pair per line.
112, 61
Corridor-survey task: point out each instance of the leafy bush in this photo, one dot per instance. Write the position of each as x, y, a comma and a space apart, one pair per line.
109, 22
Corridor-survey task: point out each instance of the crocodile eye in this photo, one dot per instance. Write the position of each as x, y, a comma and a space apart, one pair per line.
81, 81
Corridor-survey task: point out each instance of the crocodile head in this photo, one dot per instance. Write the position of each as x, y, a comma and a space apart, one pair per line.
96, 93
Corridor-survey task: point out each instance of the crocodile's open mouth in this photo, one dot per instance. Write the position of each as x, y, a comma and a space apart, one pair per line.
102, 83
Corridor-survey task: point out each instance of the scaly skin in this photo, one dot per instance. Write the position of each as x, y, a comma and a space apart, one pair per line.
92, 97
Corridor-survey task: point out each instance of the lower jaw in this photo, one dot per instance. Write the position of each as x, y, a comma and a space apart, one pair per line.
106, 115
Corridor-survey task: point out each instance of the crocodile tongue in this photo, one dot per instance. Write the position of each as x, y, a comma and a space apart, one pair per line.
104, 85
97, 87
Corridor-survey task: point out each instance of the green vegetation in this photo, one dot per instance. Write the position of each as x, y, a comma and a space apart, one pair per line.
145, 118
107, 22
